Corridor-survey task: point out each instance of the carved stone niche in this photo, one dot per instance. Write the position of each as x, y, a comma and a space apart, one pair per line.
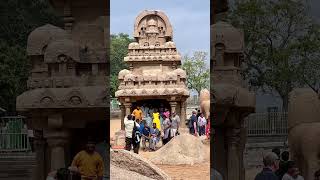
156, 28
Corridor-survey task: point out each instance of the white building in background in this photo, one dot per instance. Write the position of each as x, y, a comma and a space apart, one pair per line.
268, 102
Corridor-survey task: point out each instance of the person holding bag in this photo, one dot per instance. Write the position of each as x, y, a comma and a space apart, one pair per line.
175, 121
132, 129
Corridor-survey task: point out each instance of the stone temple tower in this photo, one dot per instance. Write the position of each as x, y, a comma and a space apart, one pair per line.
67, 98
154, 72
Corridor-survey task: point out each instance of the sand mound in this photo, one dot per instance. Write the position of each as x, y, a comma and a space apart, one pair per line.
134, 163
182, 149
117, 173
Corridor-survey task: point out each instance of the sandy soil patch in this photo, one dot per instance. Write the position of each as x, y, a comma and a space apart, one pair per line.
176, 172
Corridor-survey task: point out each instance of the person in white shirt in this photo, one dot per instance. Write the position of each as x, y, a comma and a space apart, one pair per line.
292, 173
175, 124
202, 124
128, 126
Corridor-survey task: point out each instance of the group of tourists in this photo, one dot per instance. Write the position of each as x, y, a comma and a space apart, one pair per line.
277, 166
198, 124
150, 125
86, 165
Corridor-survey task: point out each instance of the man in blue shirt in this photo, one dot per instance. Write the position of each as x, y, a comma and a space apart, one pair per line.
271, 164
142, 124
145, 136
154, 137
193, 123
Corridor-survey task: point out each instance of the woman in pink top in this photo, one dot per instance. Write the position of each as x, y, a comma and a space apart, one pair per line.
166, 113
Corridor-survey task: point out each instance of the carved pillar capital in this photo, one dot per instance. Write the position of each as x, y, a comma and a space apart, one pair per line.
233, 136
57, 138
127, 106
55, 121
173, 105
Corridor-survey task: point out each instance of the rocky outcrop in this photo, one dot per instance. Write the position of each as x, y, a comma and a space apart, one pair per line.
134, 164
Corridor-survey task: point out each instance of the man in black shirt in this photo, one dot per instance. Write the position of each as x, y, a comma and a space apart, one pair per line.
283, 165
271, 164
193, 123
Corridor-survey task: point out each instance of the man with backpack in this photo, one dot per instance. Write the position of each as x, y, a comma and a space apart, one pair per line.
132, 134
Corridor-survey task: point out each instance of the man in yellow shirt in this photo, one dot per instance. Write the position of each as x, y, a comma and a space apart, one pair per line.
137, 114
89, 163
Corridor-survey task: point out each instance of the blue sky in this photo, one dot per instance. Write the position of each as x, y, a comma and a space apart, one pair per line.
190, 20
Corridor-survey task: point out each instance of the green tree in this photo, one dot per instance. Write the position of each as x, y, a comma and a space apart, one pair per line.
14, 72
118, 50
274, 31
18, 19
197, 71
308, 52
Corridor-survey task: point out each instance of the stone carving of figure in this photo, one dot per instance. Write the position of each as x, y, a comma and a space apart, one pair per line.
46, 101
62, 58
75, 100
152, 26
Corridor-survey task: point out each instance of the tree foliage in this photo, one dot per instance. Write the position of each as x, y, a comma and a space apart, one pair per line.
197, 71
275, 33
118, 50
18, 19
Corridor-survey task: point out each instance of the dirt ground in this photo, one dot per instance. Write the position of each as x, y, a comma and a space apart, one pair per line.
176, 172
195, 172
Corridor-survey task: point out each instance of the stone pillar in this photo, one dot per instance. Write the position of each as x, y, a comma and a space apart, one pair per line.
183, 114
39, 173
218, 151
95, 69
122, 115
233, 140
57, 140
127, 107
242, 146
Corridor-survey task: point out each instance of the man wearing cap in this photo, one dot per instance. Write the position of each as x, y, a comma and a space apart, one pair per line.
89, 163
271, 164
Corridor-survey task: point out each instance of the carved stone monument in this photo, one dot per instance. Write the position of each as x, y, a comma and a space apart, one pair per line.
67, 98
231, 102
154, 72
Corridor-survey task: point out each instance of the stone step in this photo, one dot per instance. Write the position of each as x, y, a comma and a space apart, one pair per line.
16, 166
